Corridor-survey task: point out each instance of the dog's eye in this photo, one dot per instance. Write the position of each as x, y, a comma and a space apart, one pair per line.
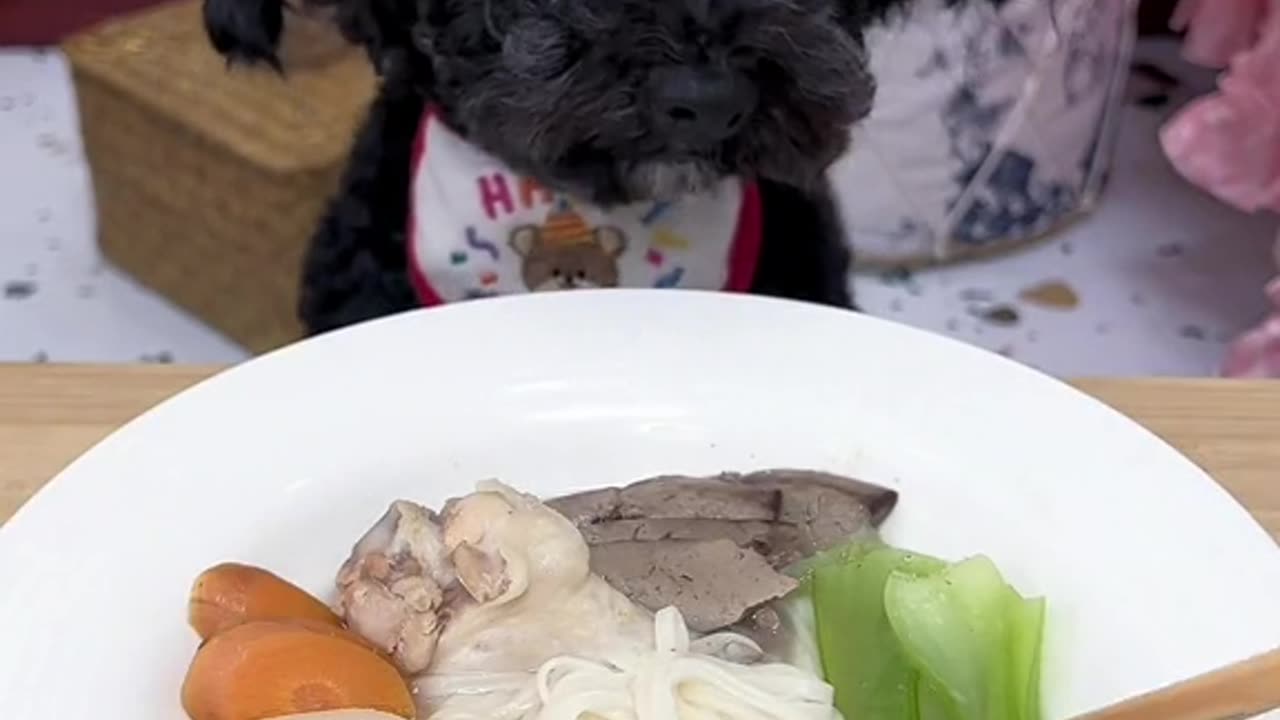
555, 272
580, 275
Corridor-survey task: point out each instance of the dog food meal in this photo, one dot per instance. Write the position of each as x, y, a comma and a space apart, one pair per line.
759, 596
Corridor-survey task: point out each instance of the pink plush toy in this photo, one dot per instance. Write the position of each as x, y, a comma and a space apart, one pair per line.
1257, 352
1229, 142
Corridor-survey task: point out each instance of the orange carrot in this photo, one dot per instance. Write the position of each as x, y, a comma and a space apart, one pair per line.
230, 594
338, 631
268, 669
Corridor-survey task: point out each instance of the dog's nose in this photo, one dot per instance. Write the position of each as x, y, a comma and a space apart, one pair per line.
701, 105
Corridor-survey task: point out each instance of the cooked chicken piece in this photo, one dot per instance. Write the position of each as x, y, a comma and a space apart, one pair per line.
497, 583
527, 570
392, 587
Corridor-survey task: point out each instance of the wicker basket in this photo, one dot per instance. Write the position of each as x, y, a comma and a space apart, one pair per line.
208, 182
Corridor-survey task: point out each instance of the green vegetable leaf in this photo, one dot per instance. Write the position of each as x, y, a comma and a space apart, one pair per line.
907, 637
861, 656
1026, 619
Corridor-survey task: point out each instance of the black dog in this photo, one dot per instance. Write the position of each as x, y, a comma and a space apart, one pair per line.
613, 101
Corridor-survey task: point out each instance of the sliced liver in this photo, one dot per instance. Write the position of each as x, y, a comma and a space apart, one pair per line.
712, 582
715, 547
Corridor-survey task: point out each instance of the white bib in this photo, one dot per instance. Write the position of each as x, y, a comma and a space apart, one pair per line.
477, 229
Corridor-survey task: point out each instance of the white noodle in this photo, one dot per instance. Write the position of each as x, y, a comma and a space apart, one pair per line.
677, 680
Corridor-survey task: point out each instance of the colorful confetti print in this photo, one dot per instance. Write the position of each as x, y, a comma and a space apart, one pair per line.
669, 279
475, 242
659, 209
668, 240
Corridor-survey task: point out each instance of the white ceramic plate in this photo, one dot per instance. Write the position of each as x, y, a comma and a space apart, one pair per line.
1152, 572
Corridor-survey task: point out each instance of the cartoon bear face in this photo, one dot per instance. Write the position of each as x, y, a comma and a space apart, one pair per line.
564, 253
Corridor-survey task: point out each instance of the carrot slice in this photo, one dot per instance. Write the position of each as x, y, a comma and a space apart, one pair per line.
229, 594
268, 669
339, 631
344, 714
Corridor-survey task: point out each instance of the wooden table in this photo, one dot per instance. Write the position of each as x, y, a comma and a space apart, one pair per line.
51, 414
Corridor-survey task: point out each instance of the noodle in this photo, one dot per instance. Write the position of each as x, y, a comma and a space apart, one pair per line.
675, 681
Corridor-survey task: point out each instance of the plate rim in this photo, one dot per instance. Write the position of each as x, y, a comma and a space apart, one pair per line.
56, 484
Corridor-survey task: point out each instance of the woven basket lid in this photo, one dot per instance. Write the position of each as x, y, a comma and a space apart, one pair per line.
162, 59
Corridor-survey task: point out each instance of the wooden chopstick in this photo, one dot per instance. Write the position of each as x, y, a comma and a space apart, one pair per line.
1242, 690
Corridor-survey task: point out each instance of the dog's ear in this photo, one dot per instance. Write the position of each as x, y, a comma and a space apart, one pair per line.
245, 30
524, 239
381, 27
249, 31
612, 240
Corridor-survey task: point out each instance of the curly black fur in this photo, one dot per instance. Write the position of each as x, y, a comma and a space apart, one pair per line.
558, 90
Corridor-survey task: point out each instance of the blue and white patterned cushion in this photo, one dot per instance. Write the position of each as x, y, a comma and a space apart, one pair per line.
990, 126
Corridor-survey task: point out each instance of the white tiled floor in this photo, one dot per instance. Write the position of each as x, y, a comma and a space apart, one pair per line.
1165, 275
58, 300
